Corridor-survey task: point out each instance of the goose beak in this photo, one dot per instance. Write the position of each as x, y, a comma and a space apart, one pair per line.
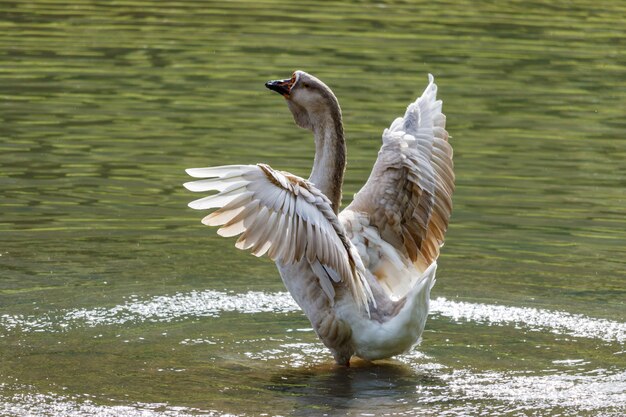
282, 87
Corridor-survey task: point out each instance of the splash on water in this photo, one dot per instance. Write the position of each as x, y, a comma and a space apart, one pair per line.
557, 322
54, 405
597, 389
211, 303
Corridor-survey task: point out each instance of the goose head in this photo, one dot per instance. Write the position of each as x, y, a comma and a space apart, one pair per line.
310, 101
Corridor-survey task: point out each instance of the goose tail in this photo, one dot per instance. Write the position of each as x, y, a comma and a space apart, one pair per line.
401, 332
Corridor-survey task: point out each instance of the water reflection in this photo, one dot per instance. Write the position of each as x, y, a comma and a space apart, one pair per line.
390, 388
363, 388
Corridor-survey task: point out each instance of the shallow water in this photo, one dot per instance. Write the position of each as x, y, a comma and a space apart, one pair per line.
114, 300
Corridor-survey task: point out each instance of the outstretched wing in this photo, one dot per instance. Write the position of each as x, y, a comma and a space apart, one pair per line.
398, 219
284, 216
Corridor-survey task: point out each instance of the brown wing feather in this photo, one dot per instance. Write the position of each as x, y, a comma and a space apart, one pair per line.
408, 196
283, 216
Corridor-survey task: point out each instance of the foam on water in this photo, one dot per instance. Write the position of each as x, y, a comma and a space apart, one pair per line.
54, 405
212, 303
596, 390
161, 308
557, 322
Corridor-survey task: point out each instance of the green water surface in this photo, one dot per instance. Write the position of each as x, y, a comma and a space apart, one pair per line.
104, 104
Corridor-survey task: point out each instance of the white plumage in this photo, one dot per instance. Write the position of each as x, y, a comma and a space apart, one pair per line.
284, 216
362, 277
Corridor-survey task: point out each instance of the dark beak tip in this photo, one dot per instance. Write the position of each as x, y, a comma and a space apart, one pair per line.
280, 86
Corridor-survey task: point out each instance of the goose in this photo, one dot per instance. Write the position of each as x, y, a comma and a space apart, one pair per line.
362, 276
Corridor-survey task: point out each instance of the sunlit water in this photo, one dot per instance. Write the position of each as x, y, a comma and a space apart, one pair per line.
114, 300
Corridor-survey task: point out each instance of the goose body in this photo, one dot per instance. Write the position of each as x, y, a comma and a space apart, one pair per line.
363, 276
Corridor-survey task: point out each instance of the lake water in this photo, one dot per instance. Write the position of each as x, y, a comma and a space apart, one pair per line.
115, 300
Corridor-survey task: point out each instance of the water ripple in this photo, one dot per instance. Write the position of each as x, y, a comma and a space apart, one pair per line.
211, 303
589, 392
600, 391
53, 405
536, 319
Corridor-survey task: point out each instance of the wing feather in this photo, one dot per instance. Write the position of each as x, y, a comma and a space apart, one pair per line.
407, 200
224, 171
310, 247
300, 233
283, 216
289, 245
325, 283
276, 250
218, 200
232, 229
264, 242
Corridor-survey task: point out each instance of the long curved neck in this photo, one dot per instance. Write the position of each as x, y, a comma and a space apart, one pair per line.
330, 156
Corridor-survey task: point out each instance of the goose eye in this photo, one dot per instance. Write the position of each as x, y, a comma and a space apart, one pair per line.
305, 85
